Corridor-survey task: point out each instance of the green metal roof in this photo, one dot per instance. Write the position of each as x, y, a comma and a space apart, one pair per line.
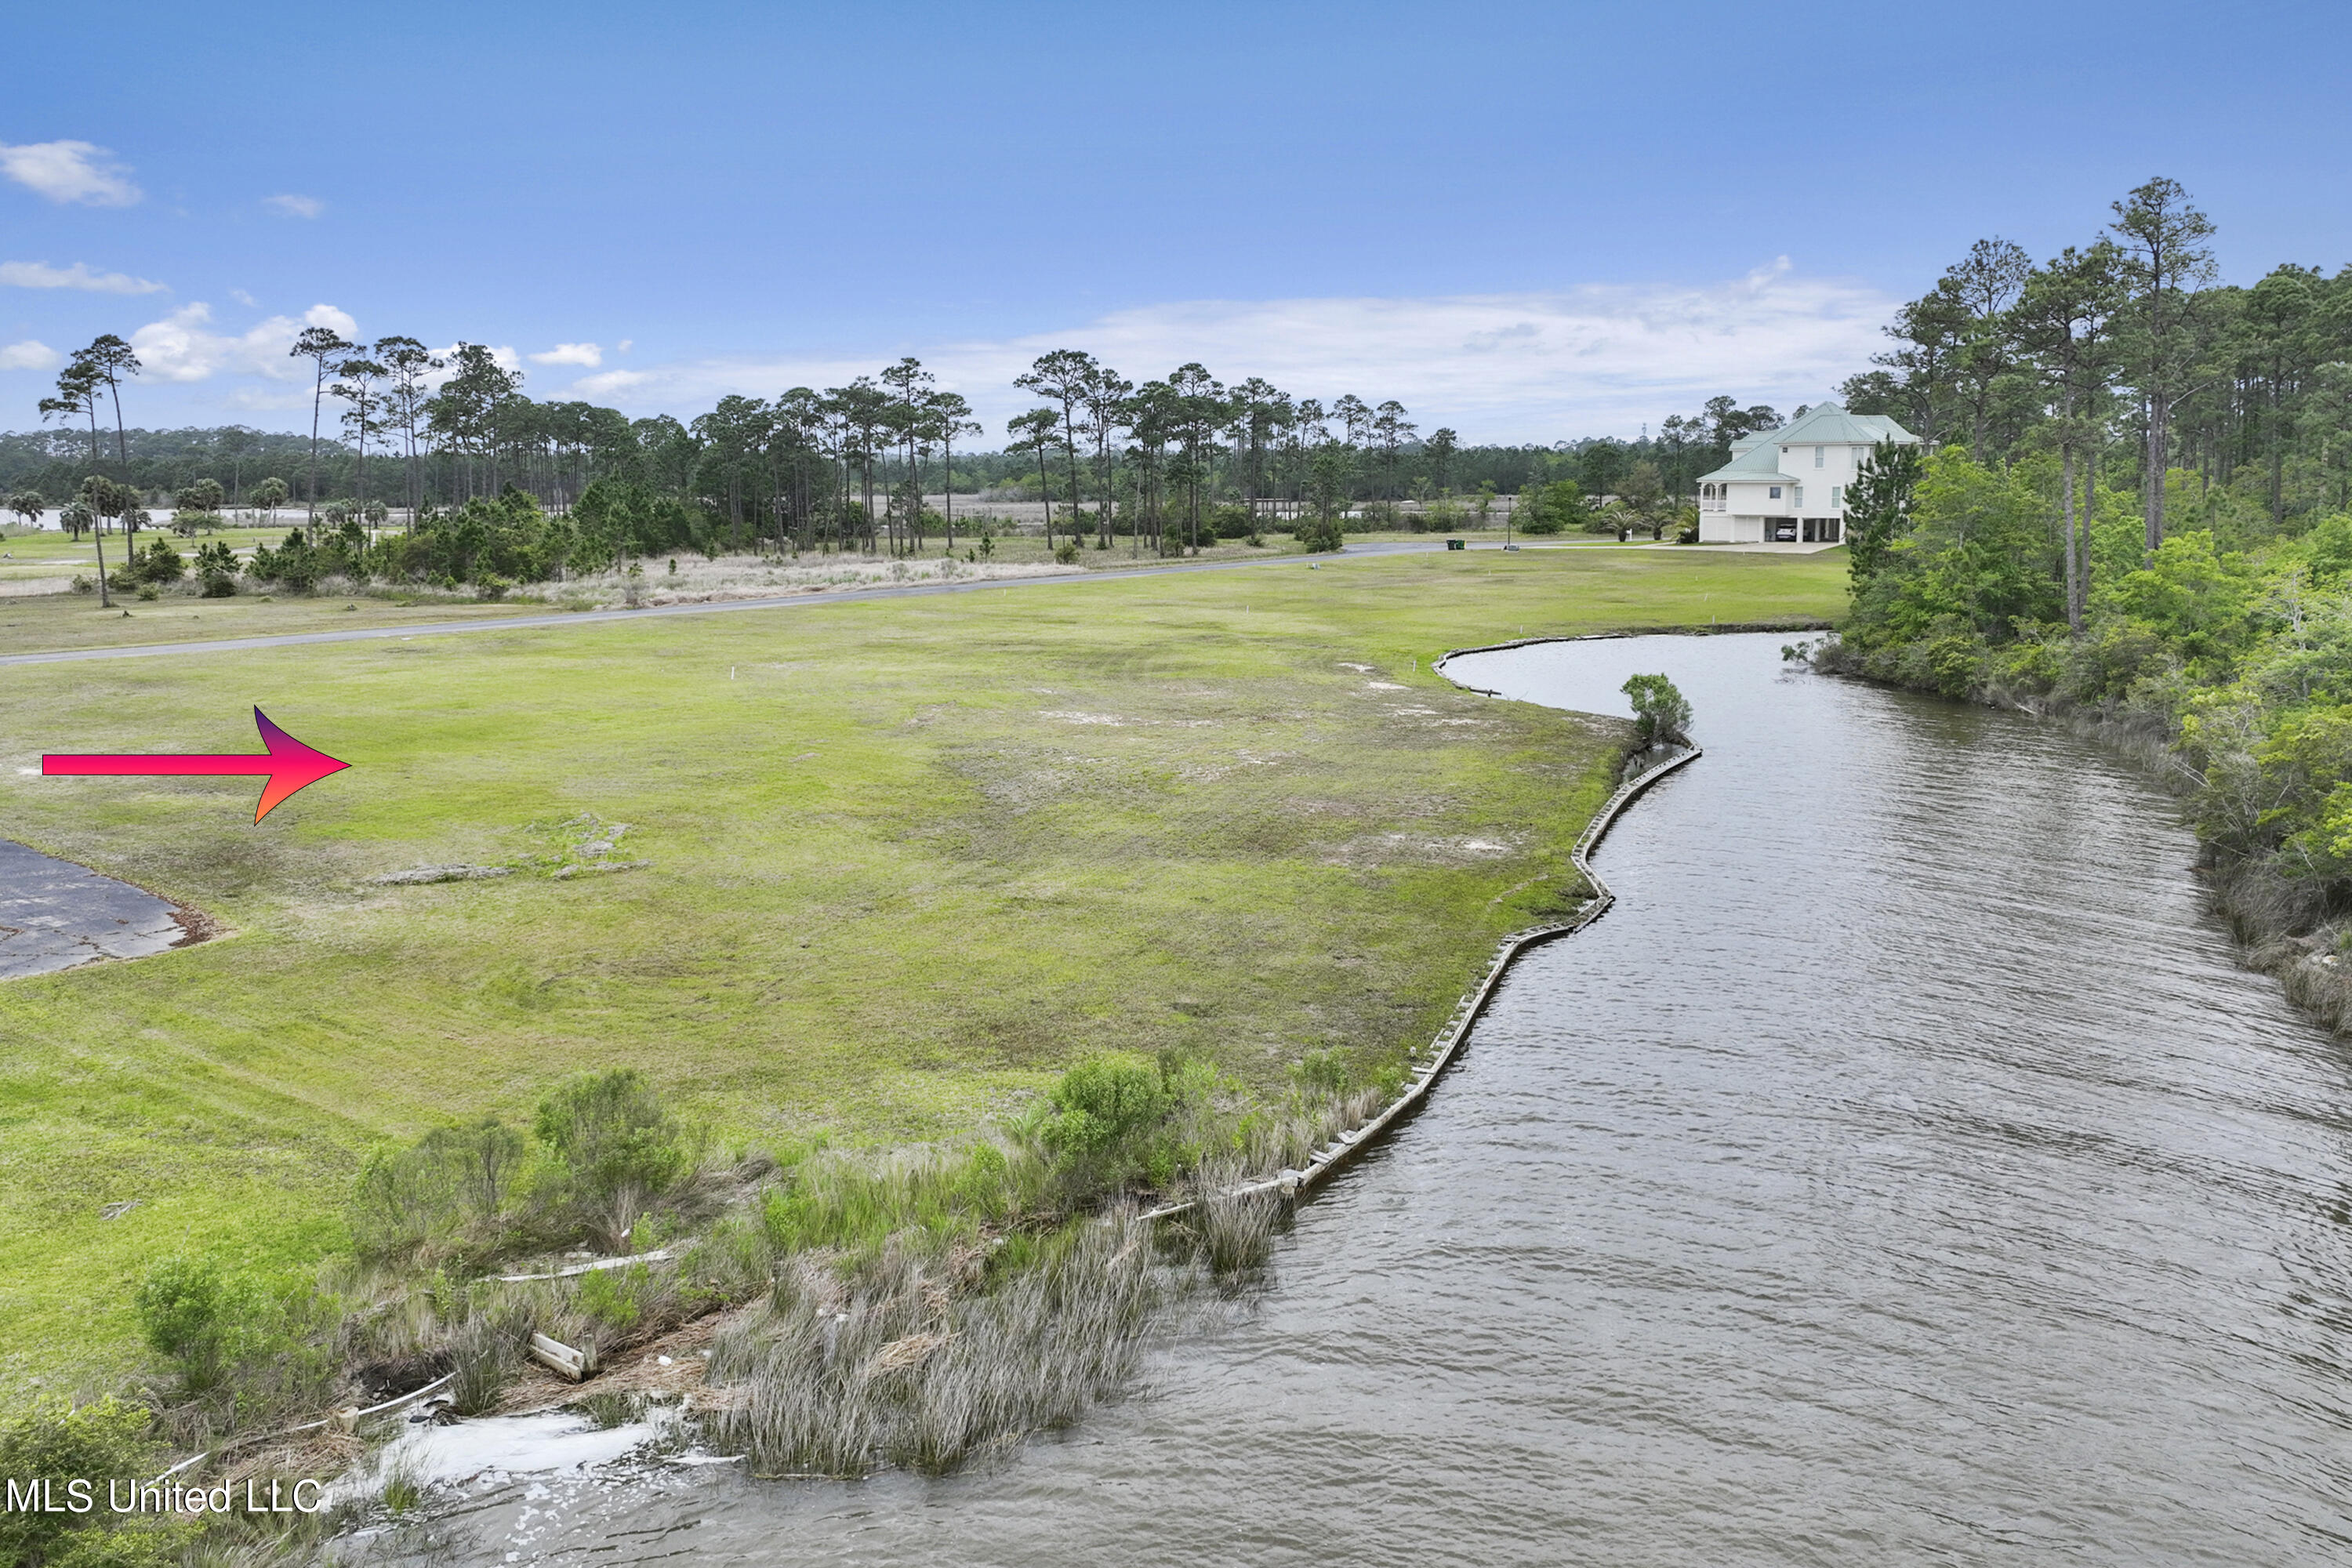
1828, 424
1759, 465
1757, 459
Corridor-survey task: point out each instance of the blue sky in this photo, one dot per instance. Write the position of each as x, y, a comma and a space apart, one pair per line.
1529, 222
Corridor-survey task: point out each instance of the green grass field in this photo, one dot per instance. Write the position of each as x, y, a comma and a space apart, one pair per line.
908, 859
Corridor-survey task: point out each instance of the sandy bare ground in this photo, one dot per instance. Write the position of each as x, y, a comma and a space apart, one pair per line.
698, 582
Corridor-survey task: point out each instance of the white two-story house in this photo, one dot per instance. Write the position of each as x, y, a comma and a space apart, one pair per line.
1789, 485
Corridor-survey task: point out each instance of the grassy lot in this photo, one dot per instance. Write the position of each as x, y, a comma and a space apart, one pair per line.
38, 623
909, 858
48, 554
48, 621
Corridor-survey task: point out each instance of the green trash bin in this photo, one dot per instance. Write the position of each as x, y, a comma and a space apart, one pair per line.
1456, 544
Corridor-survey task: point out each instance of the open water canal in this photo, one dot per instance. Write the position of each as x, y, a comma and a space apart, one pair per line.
1901, 1173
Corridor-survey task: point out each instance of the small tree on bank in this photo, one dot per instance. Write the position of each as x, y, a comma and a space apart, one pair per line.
1661, 714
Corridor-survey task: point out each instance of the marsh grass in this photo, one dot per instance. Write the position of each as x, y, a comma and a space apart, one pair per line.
1233, 1231
837, 1377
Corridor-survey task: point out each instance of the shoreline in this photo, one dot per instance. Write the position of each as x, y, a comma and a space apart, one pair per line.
2281, 930
1442, 1050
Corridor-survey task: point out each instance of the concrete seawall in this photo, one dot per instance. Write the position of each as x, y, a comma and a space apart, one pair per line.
1431, 1061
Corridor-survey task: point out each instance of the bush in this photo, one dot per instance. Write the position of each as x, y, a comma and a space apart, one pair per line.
1319, 534
1067, 553
1102, 1101
455, 1186
1322, 1072
201, 1319
1231, 520
159, 563
216, 570
616, 1297
293, 564
58, 1443
612, 1138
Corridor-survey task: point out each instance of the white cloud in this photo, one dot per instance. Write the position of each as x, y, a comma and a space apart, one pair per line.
294, 206
242, 297
29, 355
1593, 360
182, 347
41, 274
327, 316
625, 342
68, 172
587, 354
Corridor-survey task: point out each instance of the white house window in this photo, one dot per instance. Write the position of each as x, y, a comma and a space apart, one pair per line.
1776, 492
1821, 455
1837, 495
1800, 498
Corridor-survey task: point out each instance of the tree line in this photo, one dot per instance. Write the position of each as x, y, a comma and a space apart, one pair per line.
2135, 503
1166, 462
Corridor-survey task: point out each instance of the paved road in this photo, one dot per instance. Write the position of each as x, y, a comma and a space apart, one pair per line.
729, 606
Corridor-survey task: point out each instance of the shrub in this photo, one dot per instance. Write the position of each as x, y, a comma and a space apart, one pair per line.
1103, 1100
1322, 1072
1230, 520
201, 1319
614, 1297
1067, 553
294, 564
98, 1443
216, 568
159, 563
456, 1185
612, 1138
1319, 534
